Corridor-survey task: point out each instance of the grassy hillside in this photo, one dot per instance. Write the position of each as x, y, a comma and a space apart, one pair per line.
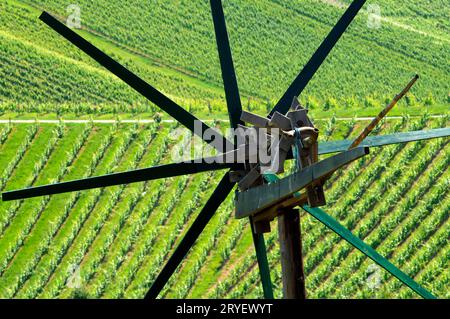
112, 242
271, 41
40, 71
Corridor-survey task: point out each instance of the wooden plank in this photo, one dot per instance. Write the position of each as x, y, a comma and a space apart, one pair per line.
274, 211
300, 118
280, 121
254, 119
262, 197
248, 180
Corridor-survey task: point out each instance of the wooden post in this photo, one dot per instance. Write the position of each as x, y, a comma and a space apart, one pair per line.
291, 255
383, 113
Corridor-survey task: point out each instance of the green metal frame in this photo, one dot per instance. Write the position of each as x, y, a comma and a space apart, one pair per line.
347, 235
261, 256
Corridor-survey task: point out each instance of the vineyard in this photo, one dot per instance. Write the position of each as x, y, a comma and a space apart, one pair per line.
111, 243
271, 39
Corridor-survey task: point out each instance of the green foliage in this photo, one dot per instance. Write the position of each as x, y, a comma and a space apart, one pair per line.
410, 100
43, 73
79, 293
429, 100
370, 102
396, 198
120, 237
330, 104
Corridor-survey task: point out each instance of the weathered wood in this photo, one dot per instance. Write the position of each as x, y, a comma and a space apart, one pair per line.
248, 180
262, 220
296, 105
262, 197
300, 118
291, 255
261, 227
278, 158
308, 155
383, 113
236, 176
316, 195
280, 121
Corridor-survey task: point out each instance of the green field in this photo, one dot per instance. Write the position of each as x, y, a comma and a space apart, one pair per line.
112, 242
119, 238
271, 41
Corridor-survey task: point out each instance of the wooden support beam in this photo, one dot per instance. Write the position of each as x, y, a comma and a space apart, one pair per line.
262, 197
291, 255
280, 121
254, 119
300, 118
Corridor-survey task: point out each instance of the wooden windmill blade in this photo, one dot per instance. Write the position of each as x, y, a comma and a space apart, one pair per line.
234, 110
188, 120
185, 118
134, 176
383, 140
262, 196
232, 94
234, 106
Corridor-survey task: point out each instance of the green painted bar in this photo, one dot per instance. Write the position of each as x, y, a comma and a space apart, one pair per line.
346, 234
380, 140
261, 255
